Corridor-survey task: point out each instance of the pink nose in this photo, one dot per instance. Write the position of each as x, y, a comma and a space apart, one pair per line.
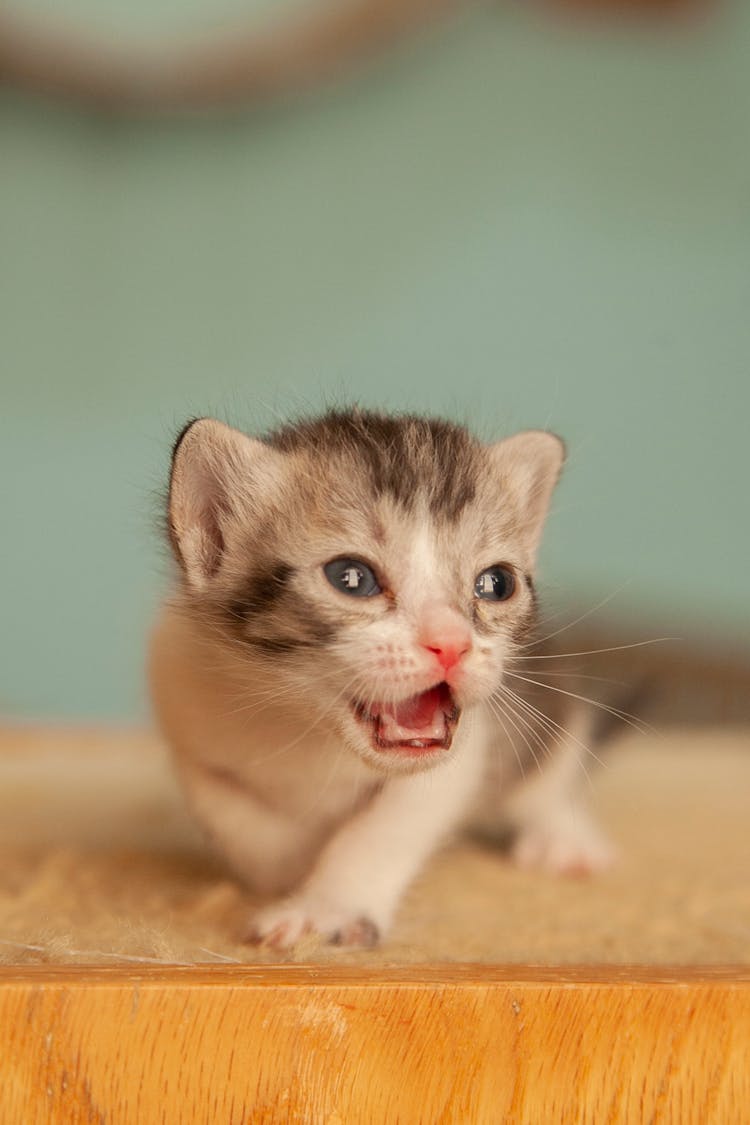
448, 655
446, 634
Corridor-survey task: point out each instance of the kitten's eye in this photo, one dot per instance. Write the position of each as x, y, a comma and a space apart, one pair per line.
495, 584
351, 576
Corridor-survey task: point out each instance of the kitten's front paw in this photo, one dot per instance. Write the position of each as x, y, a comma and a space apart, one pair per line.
572, 846
283, 924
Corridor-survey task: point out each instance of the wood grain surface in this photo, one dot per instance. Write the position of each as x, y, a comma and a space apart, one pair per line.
439, 1044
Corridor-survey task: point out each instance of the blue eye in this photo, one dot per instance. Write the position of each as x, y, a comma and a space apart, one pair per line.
495, 584
353, 577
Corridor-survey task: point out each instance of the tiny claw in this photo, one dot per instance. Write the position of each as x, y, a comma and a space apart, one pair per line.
363, 933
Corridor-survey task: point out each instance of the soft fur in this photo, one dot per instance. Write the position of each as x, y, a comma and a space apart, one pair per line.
262, 670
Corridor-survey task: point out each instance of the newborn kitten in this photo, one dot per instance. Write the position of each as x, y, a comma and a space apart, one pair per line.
330, 671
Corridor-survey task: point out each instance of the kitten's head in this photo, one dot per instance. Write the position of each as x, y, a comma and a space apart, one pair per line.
381, 566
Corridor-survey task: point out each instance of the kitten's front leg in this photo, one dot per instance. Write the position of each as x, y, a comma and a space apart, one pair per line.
555, 831
270, 852
352, 893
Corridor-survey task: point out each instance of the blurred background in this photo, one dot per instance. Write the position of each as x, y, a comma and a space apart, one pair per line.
517, 219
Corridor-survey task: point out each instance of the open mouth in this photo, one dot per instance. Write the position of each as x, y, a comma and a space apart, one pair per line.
420, 723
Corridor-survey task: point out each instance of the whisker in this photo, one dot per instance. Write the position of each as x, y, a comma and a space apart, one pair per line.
573, 674
534, 715
261, 700
596, 651
583, 616
638, 724
512, 704
560, 732
512, 714
503, 713
499, 715
316, 722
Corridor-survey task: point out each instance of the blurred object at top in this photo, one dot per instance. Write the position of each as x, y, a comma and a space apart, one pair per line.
246, 63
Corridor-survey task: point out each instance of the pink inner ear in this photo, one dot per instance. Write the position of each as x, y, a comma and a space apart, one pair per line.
197, 500
195, 533
214, 545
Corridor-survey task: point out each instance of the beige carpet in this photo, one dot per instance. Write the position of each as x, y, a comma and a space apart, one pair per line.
99, 863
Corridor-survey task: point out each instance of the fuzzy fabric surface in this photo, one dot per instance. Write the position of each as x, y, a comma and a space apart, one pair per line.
100, 863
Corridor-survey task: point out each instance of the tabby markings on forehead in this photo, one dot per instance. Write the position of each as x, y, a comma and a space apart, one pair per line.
405, 457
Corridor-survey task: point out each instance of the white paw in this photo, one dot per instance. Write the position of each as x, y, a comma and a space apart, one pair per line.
564, 846
283, 924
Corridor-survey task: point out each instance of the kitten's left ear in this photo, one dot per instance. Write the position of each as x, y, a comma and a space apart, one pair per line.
529, 465
217, 475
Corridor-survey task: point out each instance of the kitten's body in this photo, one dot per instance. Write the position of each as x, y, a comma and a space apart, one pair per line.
327, 742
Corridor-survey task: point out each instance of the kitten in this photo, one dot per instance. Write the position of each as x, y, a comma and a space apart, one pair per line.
331, 671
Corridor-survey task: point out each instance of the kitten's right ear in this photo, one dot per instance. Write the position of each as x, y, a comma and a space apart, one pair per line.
216, 471
529, 464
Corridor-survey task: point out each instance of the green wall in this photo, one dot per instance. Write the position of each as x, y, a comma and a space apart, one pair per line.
512, 225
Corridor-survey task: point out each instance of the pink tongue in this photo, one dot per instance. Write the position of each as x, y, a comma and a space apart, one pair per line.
419, 717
